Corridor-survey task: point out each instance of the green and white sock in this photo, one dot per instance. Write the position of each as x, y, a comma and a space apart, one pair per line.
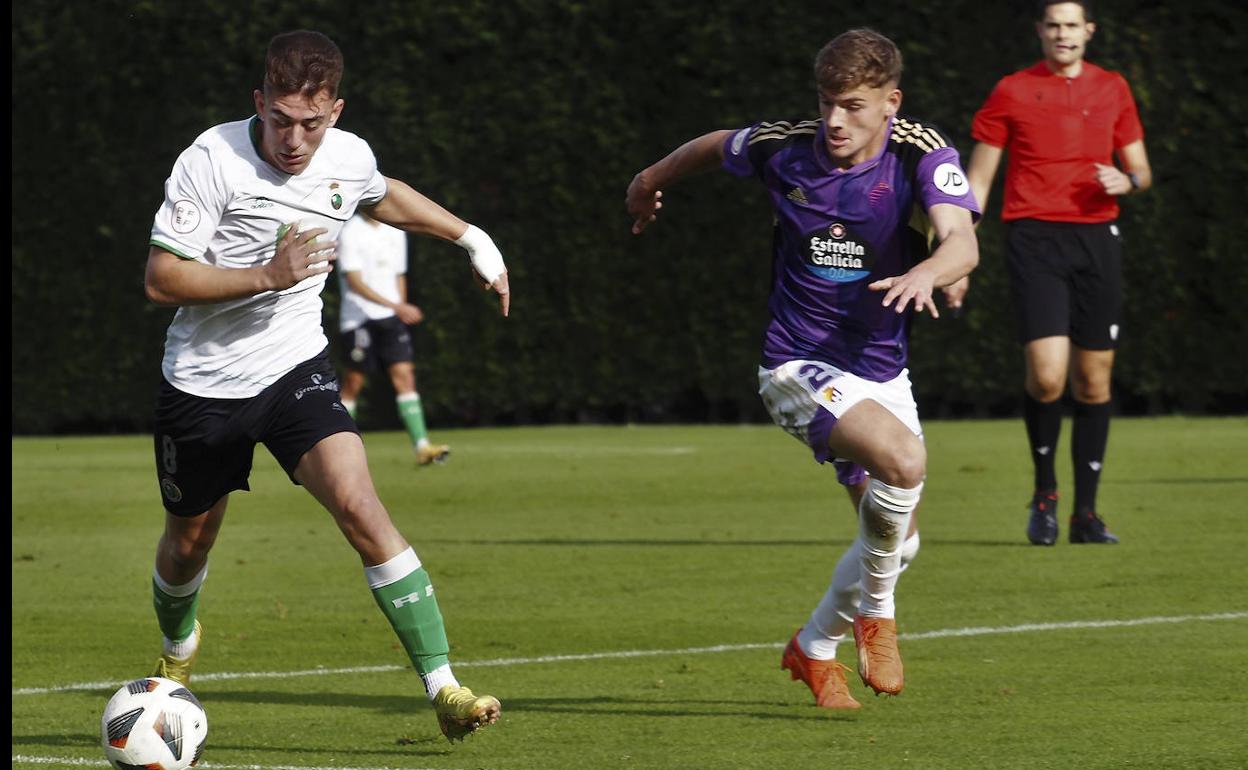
413, 417
175, 612
437, 679
405, 595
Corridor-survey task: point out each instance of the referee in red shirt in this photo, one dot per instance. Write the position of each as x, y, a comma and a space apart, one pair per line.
1061, 122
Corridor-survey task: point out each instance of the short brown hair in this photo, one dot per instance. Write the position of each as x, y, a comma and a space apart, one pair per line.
302, 62
1042, 7
855, 58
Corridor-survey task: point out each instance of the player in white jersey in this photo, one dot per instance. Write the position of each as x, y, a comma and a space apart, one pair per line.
373, 322
242, 246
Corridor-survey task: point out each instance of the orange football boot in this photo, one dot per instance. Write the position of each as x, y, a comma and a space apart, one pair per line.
879, 662
825, 678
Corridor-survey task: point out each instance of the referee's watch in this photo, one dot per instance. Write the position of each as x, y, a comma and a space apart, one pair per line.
1135, 181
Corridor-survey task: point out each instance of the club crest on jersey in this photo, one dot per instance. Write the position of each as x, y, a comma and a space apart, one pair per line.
836, 254
335, 199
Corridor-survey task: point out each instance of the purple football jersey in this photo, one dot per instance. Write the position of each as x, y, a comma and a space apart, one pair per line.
839, 230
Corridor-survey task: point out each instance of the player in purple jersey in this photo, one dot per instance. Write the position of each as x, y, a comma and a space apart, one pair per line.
858, 194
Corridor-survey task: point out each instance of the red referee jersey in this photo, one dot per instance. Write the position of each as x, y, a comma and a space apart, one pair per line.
1054, 129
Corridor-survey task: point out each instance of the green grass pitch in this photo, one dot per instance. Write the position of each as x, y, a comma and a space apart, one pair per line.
667, 542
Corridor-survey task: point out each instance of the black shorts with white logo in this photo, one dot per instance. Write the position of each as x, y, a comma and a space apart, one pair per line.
1066, 281
204, 446
377, 344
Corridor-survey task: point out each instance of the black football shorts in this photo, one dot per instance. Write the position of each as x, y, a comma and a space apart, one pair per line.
377, 345
204, 446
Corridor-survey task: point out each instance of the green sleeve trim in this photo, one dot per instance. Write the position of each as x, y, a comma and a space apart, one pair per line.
170, 249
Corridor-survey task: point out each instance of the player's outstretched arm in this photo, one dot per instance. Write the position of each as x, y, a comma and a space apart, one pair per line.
172, 281
407, 209
645, 194
954, 259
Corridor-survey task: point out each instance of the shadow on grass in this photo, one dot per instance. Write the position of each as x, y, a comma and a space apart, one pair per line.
75, 740
409, 705
413, 704
431, 746
608, 706
580, 542
1021, 542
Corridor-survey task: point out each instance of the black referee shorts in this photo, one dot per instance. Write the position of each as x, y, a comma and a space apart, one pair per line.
1066, 281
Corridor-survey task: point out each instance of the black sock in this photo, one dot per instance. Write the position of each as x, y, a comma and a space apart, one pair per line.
1087, 450
1044, 425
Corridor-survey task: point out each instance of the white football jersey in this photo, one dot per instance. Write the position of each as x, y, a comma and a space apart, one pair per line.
378, 252
223, 207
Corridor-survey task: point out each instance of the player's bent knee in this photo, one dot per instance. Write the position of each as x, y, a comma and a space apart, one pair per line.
360, 510
188, 551
366, 524
905, 467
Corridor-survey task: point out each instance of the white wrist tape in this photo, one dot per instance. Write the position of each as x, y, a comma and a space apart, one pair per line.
485, 256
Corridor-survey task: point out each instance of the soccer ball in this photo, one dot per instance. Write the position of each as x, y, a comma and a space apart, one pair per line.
153, 723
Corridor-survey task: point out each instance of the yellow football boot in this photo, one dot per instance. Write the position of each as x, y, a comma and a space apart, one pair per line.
178, 669
460, 712
432, 453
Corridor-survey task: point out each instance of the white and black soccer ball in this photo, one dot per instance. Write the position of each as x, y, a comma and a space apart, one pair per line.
154, 724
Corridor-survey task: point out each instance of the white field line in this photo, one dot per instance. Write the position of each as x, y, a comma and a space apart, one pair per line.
25, 759
619, 654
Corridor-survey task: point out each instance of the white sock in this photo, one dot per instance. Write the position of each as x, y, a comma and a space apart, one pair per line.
437, 679
833, 617
909, 550
883, 520
183, 649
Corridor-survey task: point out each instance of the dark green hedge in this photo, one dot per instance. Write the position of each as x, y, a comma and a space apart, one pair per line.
529, 118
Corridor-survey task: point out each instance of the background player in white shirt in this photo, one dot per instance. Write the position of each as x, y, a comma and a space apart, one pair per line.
373, 320
242, 246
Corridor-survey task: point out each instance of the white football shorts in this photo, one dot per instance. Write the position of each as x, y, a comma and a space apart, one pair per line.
806, 398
